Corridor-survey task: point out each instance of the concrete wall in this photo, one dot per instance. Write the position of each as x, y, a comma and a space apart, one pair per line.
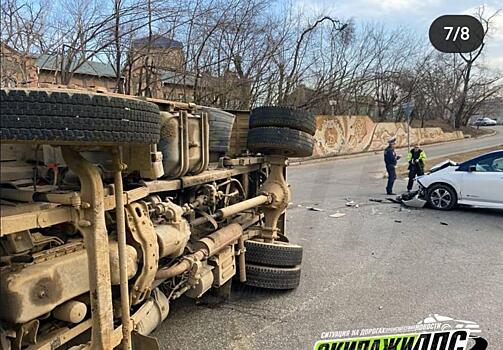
354, 134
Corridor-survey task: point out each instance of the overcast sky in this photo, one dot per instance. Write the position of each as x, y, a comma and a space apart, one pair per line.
416, 14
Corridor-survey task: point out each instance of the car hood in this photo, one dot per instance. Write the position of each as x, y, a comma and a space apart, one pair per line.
443, 165
437, 170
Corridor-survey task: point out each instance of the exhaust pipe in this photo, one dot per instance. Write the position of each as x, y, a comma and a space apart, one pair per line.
205, 247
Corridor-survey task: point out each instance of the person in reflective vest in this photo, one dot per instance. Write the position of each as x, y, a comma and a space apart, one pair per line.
416, 158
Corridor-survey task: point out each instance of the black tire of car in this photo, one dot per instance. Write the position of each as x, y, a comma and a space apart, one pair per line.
282, 278
273, 254
280, 141
282, 117
51, 116
445, 189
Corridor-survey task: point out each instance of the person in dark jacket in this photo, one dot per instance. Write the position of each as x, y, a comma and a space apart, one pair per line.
390, 160
416, 158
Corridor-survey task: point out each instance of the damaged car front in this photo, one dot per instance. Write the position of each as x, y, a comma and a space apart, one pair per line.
418, 198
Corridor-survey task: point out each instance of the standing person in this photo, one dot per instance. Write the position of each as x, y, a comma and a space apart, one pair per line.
416, 158
390, 159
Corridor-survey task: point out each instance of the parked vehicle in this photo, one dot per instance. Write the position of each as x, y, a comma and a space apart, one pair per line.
485, 121
111, 209
476, 182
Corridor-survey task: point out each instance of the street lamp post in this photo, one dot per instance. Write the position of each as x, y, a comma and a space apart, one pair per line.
332, 104
408, 107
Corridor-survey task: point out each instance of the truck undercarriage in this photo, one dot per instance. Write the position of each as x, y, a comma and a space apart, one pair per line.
112, 207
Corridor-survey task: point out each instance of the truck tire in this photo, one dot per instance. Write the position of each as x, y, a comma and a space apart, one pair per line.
273, 254
282, 117
61, 116
280, 141
272, 277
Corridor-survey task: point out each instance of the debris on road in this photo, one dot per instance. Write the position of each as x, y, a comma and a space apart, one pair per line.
378, 200
411, 199
314, 209
399, 221
351, 204
444, 223
337, 215
393, 200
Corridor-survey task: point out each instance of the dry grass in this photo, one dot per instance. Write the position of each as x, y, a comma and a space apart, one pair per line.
458, 157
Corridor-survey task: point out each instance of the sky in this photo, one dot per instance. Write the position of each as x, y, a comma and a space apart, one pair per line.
416, 14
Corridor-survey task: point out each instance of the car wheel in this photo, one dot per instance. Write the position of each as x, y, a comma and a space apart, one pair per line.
442, 197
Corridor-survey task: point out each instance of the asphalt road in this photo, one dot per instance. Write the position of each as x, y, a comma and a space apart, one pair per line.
378, 266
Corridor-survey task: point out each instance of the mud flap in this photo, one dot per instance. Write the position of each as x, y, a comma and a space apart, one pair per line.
144, 342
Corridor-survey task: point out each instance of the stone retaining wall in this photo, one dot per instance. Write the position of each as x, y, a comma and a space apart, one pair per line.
338, 135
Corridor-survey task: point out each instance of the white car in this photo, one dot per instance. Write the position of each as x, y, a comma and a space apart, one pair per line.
476, 182
485, 121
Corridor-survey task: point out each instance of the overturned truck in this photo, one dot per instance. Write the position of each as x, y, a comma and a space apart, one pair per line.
113, 206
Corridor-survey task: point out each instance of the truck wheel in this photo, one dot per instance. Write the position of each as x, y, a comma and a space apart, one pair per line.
283, 117
273, 254
54, 116
280, 141
272, 277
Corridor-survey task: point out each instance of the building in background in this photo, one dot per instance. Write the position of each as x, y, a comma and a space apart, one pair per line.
16, 68
158, 69
26, 70
156, 66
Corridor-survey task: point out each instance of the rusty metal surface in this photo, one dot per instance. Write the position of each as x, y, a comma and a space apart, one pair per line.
195, 180
225, 266
56, 275
174, 142
142, 232
242, 206
26, 216
92, 226
277, 188
29, 216
61, 336
26, 335
121, 239
38, 288
206, 247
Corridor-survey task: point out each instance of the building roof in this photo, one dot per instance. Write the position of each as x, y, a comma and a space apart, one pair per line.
177, 78
157, 41
53, 63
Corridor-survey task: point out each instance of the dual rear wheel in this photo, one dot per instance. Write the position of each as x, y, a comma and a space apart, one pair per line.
273, 265
288, 132
281, 131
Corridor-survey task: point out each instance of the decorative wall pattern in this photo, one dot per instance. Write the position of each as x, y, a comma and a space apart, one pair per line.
336, 135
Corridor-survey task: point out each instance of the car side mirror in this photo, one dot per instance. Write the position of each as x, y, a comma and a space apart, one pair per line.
472, 168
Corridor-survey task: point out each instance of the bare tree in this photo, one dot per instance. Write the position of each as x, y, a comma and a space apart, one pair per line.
467, 104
